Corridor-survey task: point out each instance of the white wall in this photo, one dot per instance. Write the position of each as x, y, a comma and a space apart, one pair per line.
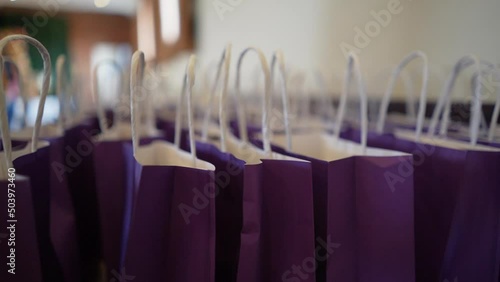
311, 32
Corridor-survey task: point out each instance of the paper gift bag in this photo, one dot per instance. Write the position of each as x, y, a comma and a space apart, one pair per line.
277, 236
173, 205
52, 205
364, 228
445, 176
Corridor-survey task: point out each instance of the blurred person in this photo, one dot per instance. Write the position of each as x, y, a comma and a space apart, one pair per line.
14, 101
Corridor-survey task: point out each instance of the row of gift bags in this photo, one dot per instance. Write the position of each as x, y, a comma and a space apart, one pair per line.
135, 202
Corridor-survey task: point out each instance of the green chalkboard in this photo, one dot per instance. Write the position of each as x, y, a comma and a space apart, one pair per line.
52, 32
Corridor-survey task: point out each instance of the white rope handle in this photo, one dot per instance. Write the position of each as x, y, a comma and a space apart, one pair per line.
483, 129
279, 58
494, 118
445, 98
61, 60
390, 89
178, 114
265, 103
136, 80
443, 130
461, 64
190, 80
491, 69
496, 112
409, 94
4, 123
223, 63
187, 90
222, 99
101, 115
353, 64
187, 86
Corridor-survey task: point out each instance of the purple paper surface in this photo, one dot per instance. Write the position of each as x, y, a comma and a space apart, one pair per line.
172, 231
452, 188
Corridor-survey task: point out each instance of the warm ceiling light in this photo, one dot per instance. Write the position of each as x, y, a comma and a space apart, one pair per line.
12, 0
101, 3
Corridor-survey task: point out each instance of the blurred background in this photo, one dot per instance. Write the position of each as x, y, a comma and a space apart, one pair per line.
314, 35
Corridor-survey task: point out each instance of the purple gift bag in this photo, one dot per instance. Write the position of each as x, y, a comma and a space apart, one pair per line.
77, 166
363, 227
277, 236
109, 163
178, 221
456, 204
456, 201
54, 212
277, 228
24, 262
371, 221
110, 155
173, 208
228, 179
477, 213
52, 205
78, 159
16, 200
228, 209
485, 138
